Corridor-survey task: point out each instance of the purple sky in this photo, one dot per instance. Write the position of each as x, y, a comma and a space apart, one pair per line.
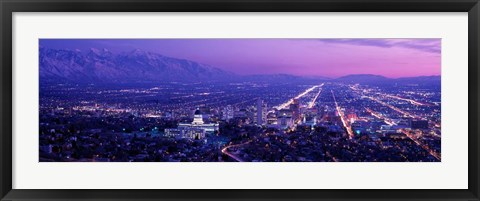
320, 57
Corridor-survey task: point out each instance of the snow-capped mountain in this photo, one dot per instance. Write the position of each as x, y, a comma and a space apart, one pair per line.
135, 66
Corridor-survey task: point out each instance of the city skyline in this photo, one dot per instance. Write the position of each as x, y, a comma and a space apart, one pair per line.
115, 103
331, 58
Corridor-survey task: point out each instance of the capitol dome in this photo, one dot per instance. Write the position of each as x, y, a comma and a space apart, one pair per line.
197, 117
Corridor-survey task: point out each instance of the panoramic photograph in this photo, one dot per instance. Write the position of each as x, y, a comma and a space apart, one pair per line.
240, 100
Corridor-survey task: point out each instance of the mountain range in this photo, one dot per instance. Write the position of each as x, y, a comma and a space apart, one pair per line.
372, 79
137, 65
140, 66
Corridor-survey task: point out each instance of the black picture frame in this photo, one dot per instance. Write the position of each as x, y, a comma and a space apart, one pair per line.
8, 7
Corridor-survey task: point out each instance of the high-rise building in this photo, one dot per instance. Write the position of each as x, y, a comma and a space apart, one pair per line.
285, 119
228, 113
295, 108
272, 120
261, 116
309, 120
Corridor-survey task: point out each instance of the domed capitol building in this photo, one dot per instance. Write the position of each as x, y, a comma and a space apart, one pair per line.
195, 130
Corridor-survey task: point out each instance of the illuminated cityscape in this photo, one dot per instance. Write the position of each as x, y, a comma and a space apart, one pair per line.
99, 105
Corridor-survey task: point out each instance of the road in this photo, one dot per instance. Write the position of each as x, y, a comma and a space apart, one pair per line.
342, 117
407, 133
225, 151
414, 102
424, 146
312, 103
393, 108
289, 102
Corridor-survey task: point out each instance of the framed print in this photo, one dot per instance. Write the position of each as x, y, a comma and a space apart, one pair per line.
258, 100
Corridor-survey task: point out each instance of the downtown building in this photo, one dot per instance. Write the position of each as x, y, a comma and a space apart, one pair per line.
261, 115
197, 129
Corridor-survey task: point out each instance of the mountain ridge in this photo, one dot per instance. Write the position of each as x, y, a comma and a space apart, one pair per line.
103, 65
372, 78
